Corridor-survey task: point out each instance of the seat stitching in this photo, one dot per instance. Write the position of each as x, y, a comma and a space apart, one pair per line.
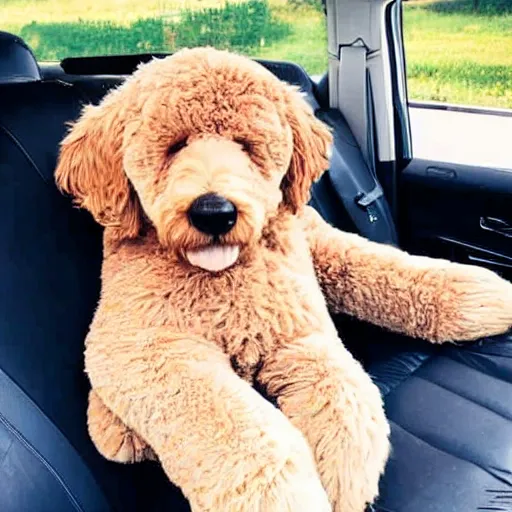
404, 378
7, 451
438, 448
42, 415
487, 354
465, 397
479, 370
20, 146
86, 98
32, 449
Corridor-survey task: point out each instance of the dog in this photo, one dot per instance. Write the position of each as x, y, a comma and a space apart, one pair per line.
217, 276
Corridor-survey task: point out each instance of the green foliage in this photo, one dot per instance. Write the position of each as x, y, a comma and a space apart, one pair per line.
486, 7
306, 45
239, 27
446, 80
468, 73
235, 26
54, 41
315, 4
456, 55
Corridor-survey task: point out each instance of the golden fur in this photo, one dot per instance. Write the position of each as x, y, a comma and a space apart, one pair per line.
173, 349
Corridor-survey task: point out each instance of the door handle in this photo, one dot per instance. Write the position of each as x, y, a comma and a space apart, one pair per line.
495, 225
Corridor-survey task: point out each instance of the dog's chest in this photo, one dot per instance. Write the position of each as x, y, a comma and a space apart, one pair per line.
246, 311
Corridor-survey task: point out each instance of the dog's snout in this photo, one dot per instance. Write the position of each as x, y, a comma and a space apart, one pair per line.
212, 214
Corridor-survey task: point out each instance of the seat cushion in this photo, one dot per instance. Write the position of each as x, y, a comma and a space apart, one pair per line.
450, 410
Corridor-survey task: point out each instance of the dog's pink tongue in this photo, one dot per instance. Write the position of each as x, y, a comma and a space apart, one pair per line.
214, 258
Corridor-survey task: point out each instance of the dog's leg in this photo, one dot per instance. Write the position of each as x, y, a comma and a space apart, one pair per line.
419, 296
226, 447
113, 439
327, 395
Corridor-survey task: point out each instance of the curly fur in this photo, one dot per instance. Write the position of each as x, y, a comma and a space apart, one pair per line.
173, 349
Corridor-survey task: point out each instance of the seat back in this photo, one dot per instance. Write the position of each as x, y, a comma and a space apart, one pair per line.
17, 62
50, 259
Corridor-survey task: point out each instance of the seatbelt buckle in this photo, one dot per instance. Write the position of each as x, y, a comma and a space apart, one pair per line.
366, 200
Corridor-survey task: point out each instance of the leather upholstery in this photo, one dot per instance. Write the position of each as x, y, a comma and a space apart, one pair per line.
450, 407
17, 63
450, 410
29, 459
50, 257
451, 428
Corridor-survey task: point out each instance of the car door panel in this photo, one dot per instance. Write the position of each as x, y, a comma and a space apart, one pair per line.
458, 212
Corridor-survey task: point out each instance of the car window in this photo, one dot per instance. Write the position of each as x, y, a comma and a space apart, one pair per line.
459, 51
293, 30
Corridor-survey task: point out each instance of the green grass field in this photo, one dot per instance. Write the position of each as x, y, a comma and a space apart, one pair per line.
453, 54
458, 57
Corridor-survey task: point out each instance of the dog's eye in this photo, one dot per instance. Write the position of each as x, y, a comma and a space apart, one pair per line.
174, 148
246, 146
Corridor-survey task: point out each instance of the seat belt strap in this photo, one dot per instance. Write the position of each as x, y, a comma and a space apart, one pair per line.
352, 93
353, 102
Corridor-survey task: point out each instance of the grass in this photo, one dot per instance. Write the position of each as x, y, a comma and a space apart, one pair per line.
241, 27
307, 43
453, 54
456, 56
58, 28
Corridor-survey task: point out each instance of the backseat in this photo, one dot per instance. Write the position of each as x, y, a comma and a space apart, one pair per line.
50, 257
449, 407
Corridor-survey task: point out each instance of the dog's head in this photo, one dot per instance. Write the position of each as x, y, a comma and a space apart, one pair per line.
205, 145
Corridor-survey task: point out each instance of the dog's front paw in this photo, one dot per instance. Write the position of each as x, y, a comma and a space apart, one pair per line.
475, 303
295, 489
279, 476
113, 439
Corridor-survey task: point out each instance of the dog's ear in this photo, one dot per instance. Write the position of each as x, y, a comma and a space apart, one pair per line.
310, 157
90, 167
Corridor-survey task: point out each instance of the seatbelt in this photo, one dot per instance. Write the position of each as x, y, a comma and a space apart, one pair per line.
354, 102
352, 93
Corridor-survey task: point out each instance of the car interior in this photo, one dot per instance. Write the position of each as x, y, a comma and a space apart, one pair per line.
449, 406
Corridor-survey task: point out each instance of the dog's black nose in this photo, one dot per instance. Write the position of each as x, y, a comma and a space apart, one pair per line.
212, 214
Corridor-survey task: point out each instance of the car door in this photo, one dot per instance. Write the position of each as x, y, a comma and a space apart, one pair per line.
455, 183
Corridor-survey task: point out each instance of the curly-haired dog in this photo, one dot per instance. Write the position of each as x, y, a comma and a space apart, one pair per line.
216, 275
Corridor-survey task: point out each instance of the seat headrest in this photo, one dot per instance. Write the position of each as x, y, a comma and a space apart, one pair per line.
17, 62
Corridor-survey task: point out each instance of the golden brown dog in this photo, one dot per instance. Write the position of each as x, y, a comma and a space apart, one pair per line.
216, 275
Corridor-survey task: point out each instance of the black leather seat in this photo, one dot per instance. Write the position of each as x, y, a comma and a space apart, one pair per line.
17, 63
450, 410
450, 407
451, 419
50, 257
